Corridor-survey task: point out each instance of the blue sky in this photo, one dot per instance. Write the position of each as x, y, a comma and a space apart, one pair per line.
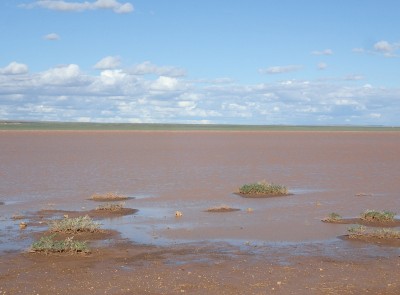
178, 61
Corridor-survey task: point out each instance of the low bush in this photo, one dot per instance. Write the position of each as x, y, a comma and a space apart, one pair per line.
377, 216
48, 244
263, 188
75, 225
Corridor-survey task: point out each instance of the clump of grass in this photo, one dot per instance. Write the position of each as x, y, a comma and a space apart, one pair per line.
108, 197
75, 225
263, 188
360, 231
332, 217
48, 244
378, 216
222, 208
110, 207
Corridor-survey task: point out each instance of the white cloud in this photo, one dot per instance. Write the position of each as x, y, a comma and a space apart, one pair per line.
386, 48
61, 5
280, 69
150, 68
109, 62
165, 84
14, 68
62, 75
52, 37
323, 52
382, 47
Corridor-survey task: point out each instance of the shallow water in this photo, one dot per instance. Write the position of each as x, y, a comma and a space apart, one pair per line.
192, 171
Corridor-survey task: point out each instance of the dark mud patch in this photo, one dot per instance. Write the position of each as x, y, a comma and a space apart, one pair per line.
1, 203
394, 223
262, 196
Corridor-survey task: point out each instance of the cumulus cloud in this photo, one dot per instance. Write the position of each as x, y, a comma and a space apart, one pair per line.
386, 48
62, 75
322, 52
280, 69
14, 68
61, 5
382, 47
108, 62
51, 37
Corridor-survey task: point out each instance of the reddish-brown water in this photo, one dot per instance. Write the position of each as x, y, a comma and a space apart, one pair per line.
192, 171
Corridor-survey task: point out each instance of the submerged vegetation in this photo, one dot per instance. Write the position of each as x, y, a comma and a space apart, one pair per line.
48, 244
378, 216
75, 225
263, 188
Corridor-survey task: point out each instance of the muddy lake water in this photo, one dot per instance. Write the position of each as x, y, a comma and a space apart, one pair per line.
343, 172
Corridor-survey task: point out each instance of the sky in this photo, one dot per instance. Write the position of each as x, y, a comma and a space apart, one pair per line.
263, 62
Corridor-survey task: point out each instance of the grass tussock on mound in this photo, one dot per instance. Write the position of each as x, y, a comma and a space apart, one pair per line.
47, 244
108, 197
111, 207
332, 217
222, 208
263, 188
363, 232
75, 225
378, 216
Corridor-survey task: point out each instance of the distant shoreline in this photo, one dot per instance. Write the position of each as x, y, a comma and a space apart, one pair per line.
74, 126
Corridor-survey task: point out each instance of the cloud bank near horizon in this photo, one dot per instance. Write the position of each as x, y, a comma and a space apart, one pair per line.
149, 93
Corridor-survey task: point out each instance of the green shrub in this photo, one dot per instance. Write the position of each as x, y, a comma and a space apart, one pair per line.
47, 244
379, 216
75, 225
263, 188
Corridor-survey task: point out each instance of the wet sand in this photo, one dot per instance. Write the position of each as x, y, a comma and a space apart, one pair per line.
279, 246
